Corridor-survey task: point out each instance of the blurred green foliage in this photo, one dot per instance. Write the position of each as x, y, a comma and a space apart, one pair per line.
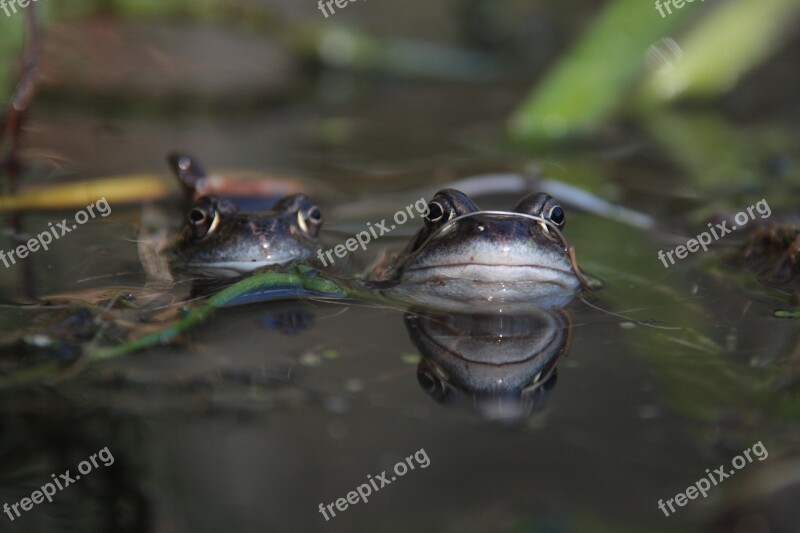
723, 47
592, 80
599, 76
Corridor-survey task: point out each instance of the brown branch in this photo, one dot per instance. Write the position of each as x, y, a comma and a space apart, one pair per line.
11, 125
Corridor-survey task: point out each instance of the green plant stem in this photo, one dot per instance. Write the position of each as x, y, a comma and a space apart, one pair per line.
301, 278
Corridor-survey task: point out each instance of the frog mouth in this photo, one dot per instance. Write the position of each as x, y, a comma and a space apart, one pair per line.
235, 268
457, 287
475, 258
489, 272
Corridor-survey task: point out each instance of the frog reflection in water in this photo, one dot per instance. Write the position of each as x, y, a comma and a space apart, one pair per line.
490, 285
466, 257
218, 240
502, 366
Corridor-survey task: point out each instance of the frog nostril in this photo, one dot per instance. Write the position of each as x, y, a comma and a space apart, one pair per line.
476, 227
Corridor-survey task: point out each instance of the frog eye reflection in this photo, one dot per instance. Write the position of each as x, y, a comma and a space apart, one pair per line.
435, 212
202, 221
431, 383
309, 220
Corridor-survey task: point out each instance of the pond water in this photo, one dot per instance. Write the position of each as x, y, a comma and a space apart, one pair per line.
267, 410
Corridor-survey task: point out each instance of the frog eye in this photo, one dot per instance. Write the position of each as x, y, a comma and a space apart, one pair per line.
542, 205
431, 383
556, 216
435, 212
197, 216
203, 219
310, 220
448, 204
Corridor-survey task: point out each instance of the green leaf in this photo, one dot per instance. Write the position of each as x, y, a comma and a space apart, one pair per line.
591, 82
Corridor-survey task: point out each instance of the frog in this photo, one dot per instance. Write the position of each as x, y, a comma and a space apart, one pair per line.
501, 366
221, 241
465, 257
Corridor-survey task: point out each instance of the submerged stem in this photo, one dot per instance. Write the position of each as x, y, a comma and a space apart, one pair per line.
302, 278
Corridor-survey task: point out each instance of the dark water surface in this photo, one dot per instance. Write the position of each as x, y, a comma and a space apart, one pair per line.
242, 427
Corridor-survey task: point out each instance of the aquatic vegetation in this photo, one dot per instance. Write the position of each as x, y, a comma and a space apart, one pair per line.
590, 85
611, 390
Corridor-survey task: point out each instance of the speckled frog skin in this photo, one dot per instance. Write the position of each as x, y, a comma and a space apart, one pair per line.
220, 241
464, 256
